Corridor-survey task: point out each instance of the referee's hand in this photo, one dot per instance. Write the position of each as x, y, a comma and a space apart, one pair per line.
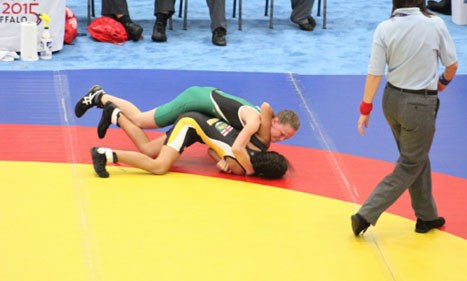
363, 123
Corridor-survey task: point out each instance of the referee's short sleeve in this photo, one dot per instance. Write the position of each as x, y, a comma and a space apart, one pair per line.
447, 49
377, 63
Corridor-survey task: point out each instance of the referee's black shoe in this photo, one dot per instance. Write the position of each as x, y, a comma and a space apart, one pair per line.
424, 226
359, 224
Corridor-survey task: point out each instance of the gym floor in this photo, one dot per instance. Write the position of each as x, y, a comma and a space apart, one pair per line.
59, 221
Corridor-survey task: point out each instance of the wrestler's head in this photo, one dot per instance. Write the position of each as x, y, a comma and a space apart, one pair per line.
284, 125
269, 165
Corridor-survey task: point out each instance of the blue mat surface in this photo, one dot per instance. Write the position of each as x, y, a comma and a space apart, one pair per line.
320, 74
327, 105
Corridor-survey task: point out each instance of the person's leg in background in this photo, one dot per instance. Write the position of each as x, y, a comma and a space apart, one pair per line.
218, 21
118, 9
301, 14
163, 10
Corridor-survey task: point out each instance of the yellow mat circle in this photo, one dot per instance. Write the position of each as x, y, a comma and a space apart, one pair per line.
61, 222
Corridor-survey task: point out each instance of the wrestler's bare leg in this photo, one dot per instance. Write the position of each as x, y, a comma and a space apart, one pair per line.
97, 97
148, 147
144, 120
159, 166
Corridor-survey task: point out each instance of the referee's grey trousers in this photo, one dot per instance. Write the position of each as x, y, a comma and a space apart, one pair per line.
412, 119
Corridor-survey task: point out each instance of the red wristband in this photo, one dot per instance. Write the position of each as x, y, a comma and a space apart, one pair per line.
365, 108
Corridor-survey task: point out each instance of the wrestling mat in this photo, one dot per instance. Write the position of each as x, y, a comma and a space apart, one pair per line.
59, 221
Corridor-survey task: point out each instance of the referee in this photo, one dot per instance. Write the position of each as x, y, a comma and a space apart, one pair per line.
411, 43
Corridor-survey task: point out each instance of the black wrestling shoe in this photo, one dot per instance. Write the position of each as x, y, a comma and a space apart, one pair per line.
218, 37
425, 226
133, 30
92, 98
99, 161
359, 224
109, 109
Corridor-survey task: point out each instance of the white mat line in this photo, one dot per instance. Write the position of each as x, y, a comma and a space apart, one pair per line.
70, 136
338, 167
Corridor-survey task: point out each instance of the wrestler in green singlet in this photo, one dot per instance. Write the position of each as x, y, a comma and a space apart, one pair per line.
207, 100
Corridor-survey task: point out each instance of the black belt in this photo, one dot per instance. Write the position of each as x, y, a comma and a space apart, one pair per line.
417, 92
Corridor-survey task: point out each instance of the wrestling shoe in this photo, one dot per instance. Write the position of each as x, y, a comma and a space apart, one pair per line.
99, 161
109, 115
359, 224
92, 98
425, 226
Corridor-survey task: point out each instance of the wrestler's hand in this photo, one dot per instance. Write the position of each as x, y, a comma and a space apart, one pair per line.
223, 166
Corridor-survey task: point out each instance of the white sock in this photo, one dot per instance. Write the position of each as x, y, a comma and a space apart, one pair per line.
109, 155
115, 115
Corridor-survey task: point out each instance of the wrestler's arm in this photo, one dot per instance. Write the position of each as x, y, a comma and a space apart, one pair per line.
252, 123
228, 165
220, 162
235, 168
264, 132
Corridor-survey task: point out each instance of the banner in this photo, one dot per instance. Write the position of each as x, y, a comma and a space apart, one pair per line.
13, 12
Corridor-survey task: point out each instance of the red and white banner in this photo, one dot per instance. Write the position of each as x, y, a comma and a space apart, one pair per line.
13, 12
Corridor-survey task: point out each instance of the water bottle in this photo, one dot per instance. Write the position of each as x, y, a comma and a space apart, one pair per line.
45, 49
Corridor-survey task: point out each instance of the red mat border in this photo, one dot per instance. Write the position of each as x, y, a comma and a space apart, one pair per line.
329, 174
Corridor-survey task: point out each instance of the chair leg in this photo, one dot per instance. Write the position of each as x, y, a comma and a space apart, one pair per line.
318, 13
180, 9
324, 14
271, 15
266, 8
240, 15
89, 11
234, 8
185, 16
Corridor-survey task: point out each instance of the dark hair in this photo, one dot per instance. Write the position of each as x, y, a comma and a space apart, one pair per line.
269, 165
397, 4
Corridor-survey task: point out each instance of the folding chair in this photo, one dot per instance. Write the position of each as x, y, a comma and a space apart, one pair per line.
184, 9
271, 14
324, 12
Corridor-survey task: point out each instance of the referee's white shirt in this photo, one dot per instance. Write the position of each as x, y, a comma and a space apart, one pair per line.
410, 43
